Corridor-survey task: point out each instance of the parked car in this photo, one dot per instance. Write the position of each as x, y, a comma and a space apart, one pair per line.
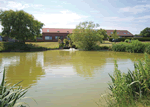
115, 40
1, 39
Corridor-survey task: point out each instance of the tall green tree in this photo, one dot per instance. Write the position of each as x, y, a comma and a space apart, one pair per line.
20, 25
85, 37
103, 32
114, 35
145, 32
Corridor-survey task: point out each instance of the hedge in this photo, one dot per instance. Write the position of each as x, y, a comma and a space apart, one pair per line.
136, 38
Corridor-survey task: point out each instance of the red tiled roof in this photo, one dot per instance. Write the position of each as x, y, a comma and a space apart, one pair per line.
120, 32
54, 30
64, 30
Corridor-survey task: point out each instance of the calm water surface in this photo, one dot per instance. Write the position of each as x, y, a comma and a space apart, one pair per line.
64, 78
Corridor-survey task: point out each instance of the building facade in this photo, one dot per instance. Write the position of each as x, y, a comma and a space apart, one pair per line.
52, 34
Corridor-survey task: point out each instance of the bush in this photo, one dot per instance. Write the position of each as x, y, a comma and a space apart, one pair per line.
137, 46
134, 47
9, 46
119, 47
132, 38
147, 49
61, 45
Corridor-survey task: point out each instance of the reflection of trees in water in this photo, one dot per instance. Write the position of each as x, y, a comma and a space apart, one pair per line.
26, 70
87, 63
53, 58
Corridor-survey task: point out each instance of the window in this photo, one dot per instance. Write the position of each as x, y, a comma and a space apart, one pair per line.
128, 33
48, 37
57, 31
40, 38
117, 32
47, 30
124, 33
61, 37
111, 32
56, 37
106, 32
67, 31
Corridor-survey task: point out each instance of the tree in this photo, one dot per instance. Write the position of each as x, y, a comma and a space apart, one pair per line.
114, 35
85, 37
20, 25
103, 32
145, 32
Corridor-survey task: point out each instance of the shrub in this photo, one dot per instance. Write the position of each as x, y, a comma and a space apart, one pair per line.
147, 49
137, 46
9, 46
119, 47
134, 46
61, 45
66, 42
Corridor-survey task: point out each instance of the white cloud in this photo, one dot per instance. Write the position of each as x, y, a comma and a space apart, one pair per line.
136, 9
64, 19
18, 5
144, 17
118, 19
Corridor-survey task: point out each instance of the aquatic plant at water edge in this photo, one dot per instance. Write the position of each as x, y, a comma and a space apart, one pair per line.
9, 96
131, 88
127, 88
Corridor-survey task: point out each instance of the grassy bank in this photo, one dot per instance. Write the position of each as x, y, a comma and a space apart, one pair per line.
51, 45
19, 47
130, 89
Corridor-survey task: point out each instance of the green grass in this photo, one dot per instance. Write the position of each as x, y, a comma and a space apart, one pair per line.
52, 45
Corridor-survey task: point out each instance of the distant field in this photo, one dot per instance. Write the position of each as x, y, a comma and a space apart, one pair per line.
45, 44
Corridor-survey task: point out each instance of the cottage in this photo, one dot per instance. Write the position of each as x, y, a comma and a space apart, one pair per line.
52, 34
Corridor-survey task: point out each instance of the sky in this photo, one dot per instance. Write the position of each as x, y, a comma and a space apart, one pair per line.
131, 15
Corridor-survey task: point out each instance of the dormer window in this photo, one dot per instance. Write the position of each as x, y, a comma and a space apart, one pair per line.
117, 32
124, 33
128, 33
47, 30
57, 31
111, 32
67, 31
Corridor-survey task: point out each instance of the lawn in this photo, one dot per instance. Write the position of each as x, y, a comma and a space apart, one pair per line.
54, 45
51, 45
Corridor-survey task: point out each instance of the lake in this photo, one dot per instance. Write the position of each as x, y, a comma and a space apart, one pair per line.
60, 78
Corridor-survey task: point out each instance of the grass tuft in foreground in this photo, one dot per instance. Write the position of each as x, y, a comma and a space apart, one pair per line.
9, 96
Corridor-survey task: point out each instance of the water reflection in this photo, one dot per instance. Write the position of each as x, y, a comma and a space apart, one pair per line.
59, 78
23, 66
31, 66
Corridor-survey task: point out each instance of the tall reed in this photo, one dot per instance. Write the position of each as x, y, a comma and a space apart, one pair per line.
132, 88
9, 95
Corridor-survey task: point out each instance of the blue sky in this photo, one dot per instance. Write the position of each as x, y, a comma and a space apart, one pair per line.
131, 15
